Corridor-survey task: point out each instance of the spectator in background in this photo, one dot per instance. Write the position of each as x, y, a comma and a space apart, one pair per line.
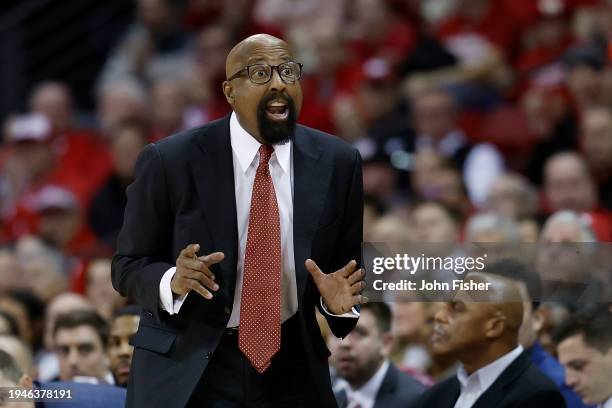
43, 268
99, 288
154, 48
48, 364
62, 223
369, 379
80, 341
530, 288
585, 349
22, 354
12, 376
427, 163
513, 196
123, 328
492, 228
121, 101
569, 186
434, 222
169, 102
483, 335
409, 350
391, 228
9, 274
585, 67
108, 204
79, 150
435, 122
596, 144
27, 311
207, 101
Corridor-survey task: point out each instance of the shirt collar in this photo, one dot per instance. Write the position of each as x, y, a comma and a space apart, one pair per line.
607, 404
246, 147
487, 375
370, 388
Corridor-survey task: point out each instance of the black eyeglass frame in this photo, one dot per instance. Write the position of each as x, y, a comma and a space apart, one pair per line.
272, 68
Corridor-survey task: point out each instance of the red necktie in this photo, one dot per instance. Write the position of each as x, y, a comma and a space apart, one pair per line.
260, 321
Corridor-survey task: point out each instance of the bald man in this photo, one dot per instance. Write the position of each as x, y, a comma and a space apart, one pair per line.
234, 232
480, 330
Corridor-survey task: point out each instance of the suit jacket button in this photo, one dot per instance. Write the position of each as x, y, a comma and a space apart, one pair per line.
149, 314
209, 355
226, 310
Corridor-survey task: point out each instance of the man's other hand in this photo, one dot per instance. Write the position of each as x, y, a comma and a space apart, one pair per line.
341, 290
193, 272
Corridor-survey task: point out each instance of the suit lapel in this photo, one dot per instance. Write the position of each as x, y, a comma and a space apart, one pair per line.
387, 387
311, 182
213, 175
495, 394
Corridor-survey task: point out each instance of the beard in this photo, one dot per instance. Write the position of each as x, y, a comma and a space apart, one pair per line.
276, 131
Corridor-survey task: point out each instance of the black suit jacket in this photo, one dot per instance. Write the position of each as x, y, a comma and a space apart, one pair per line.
398, 390
183, 193
521, 385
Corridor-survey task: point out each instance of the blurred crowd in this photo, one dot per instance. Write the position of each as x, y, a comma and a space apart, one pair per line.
477, 121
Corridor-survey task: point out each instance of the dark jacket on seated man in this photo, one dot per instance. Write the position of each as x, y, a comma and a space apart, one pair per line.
397, 390
521, 385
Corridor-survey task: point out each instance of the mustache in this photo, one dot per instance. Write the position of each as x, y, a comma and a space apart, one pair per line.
277, 95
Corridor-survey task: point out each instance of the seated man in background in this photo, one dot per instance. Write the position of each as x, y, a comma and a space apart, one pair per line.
585, 349
367, 378
80, 343
530, 288
481, 330
123, 327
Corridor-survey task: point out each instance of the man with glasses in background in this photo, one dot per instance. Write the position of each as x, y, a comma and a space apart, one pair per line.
234, 232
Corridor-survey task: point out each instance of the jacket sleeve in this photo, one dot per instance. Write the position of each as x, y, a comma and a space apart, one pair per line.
144, 245
348, 245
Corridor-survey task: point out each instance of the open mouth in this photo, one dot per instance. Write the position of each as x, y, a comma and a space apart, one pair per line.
277, 110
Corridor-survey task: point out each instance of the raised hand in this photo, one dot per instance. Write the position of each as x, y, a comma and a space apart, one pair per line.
341, 290
193, 272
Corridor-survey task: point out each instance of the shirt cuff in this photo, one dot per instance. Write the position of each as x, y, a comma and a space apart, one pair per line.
352, 314
167, 300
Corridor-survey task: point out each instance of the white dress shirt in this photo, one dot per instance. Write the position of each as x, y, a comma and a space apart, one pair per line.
473, 386
365, 396
607, 404
245, 154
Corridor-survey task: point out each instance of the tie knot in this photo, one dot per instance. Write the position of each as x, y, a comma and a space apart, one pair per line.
265, 152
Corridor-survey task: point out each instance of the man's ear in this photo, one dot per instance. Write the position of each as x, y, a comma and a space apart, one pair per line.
537, 321
495, 326
228, 91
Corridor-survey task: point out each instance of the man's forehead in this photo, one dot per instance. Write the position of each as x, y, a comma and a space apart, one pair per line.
259, 48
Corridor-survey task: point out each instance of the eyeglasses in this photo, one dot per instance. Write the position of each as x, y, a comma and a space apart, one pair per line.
260, 74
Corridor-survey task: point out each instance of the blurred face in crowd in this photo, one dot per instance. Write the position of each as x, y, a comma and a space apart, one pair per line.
20, 314
119, 350
585, 85
597, 139
408, 319
434, 114
427, 163
120, 102
433, 224
212, 47
155, 14
100, 288
360, 354
126, 145
36, 157
267, 111
168, 102
568, 185
54, 101
64, 303
59, 225
587, 369
508, 197
377, 98
81, 353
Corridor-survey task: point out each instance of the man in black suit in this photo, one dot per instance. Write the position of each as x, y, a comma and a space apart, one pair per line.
266, 203
366, 377
480, 329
